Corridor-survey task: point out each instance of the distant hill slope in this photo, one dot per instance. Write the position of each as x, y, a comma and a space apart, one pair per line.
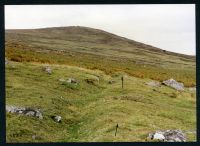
87, 35
98, 49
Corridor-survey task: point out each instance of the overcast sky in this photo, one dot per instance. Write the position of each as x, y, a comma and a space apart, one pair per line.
169, 27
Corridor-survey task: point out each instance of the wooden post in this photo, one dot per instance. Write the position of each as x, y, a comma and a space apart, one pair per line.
122, 78
116, 129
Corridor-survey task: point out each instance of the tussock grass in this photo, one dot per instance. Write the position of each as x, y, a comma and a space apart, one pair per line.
91, 112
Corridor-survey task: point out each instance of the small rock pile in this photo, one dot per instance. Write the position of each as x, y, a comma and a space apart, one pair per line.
167, 136
174, 84
24, 111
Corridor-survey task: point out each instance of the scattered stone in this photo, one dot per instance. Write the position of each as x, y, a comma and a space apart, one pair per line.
168, 136
174, 84
72, 81
154, 84
47, 69
57, 118
158, 136
24, 111
14, 109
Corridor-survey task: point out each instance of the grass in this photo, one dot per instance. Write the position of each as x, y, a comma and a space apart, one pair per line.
90, 112
91, 109
110, 65
96, 49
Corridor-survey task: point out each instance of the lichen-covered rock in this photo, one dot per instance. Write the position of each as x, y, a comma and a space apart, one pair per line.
175, 135
57, 118
174, 84
167, 136
14, 109
24, 111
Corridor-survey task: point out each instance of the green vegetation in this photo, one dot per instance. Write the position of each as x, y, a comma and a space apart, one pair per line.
90, 111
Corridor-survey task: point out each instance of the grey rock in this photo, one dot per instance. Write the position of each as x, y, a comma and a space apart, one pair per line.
174, 84
39, 114
168, 136
176, 135
14, 109
24, 111
29, 113
158, 136
57, 119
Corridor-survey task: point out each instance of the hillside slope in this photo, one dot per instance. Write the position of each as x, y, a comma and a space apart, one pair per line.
97, 49
92, 106
88, 37
90, 112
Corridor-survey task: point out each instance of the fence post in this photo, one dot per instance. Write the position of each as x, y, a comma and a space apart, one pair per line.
122, 78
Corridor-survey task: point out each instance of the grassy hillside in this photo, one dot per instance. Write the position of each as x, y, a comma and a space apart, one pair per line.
97, 49
91, 112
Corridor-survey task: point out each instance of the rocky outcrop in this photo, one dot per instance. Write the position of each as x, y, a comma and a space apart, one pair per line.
24, 111
174, 84
167, 136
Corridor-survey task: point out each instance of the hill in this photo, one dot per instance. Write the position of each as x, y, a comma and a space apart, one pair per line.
83, 86
99, 50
